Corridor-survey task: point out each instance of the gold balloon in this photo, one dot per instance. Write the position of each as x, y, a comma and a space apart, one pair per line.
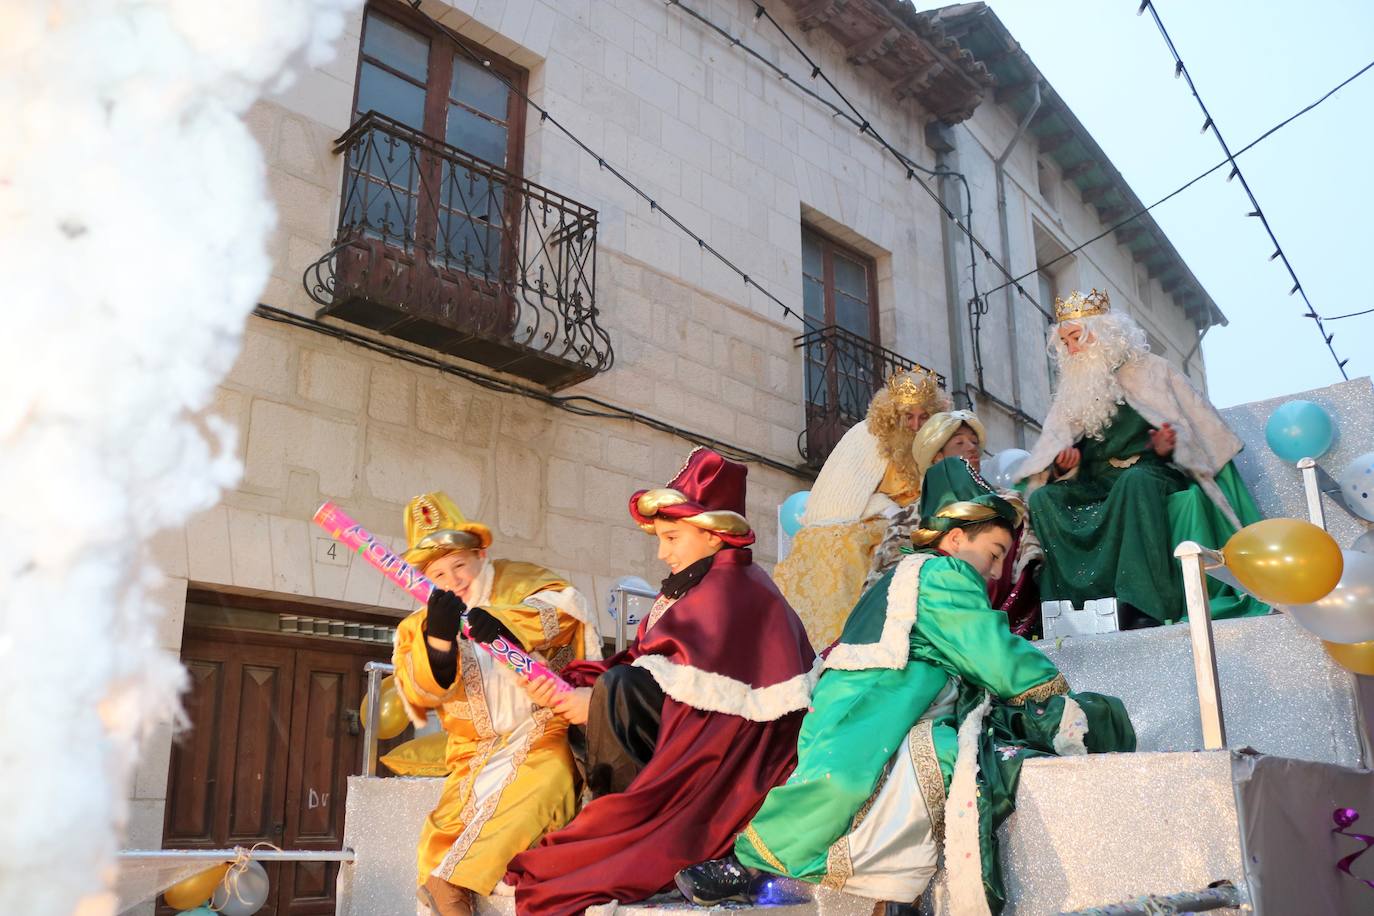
1285, 561
391, 714
195, 890
1357, 656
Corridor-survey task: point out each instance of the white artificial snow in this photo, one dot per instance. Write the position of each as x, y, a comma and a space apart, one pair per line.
133, 222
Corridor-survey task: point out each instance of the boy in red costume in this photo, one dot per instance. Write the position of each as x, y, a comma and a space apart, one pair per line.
690, 726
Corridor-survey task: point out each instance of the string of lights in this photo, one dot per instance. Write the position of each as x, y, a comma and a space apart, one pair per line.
977, 306
866, 127
1188, 184
1209, 123
581, 405
836, 112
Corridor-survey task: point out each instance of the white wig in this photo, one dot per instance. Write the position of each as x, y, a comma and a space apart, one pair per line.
1088, 390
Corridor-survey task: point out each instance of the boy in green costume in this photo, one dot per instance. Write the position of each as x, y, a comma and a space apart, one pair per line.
926, 707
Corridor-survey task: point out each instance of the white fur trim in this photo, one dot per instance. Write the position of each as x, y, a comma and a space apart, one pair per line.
893, 648
963, 860
1161, 394
713, 692
1073, 728
848, 478
572, 602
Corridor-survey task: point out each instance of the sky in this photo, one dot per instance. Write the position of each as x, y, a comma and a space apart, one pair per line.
1255, 62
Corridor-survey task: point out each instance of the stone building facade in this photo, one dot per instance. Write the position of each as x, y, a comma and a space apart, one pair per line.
816, 213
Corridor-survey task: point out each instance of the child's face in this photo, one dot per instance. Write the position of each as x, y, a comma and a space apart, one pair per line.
985, 551
455, 572
680, 544
963, 444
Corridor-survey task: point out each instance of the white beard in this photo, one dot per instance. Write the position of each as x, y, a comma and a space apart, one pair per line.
1089, 392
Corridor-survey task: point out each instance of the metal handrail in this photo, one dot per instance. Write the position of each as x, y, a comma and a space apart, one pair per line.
618, 596
223, 855
375, 671
1199, 562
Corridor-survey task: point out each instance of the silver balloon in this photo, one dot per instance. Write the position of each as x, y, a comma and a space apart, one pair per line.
1357, 486
241, 893
1000, 469
1347, 614
1365, 542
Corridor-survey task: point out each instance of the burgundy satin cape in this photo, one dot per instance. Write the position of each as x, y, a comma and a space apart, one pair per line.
710, 770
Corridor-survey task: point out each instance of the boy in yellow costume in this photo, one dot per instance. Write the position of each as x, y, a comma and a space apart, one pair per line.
867, 478
511, 772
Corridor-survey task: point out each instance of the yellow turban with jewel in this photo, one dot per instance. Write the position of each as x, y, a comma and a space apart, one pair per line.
436, 526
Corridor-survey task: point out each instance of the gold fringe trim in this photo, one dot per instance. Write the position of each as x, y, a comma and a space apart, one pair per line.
1054, 687
762, 849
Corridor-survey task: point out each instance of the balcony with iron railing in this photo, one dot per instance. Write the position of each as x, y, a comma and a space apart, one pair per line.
443, 249
843, 372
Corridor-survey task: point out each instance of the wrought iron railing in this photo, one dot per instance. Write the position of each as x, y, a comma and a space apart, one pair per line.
843, 371
444, 249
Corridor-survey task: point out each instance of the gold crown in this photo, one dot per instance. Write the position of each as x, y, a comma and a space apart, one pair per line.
1081, 306
917, 385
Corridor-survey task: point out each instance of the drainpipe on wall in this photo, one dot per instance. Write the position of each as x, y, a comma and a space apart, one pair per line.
1198, 346
1004, 230
938, 138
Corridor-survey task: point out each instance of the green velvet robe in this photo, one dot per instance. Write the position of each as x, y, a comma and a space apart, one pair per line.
1110, 531
923, 633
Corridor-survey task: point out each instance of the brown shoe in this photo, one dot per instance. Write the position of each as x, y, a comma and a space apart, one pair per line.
444, 899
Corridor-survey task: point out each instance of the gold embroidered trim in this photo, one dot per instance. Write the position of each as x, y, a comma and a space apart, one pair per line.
762, 849
1123, 463
480, 755
560, 658
475, 818
1041, 692
839, 866
929, 776
548, 617
661, 605
477, 694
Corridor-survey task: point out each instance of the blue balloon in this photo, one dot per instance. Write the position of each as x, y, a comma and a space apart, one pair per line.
198, 911
1299, 429
790, 512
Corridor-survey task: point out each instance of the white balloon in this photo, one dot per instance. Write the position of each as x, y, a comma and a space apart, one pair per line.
1365, 542
1000, 469
1357, 486
1347, 614
241, 893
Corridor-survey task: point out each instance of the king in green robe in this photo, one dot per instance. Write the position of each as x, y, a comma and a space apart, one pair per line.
922, 717
1132, 461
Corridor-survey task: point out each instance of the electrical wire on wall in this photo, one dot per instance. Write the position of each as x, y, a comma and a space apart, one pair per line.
580, 405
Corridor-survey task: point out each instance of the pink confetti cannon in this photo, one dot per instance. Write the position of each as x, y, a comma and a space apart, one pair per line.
355, 537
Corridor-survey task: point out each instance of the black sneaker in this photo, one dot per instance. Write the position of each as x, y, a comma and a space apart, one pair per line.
716, 881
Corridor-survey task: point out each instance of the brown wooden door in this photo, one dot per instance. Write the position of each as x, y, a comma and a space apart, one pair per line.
268, 754
327, 686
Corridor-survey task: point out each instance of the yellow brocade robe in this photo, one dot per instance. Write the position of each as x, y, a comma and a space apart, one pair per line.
511, 773
823, 575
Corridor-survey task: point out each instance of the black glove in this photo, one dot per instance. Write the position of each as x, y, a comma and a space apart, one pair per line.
483, 626
445, 614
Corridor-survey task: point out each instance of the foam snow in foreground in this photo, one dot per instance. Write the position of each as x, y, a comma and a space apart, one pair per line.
133, 222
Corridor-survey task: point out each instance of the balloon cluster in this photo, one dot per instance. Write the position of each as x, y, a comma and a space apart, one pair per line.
1343, 616
1302, 429
1325, 589
229, 889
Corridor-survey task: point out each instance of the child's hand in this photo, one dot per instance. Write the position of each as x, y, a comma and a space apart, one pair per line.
574, 705
541, 691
